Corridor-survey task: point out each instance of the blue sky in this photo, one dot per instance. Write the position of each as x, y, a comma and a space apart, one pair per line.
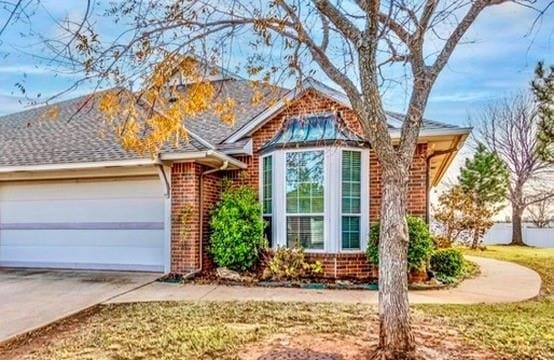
498, 60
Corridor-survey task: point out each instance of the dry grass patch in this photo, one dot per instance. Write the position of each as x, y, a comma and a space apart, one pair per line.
247, 330
193, 330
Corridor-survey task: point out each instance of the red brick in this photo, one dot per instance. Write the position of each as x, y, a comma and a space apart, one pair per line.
186, 180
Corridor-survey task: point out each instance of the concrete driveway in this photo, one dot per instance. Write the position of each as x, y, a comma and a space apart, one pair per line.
30, 299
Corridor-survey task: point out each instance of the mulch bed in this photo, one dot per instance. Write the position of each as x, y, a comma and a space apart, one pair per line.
252, 280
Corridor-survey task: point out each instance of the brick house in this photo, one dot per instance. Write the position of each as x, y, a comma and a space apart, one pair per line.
71, 198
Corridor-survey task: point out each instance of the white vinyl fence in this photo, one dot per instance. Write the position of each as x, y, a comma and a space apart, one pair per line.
501, 233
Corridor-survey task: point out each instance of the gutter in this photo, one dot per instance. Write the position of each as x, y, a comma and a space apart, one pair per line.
78, 166
165, 180
186, 156
396, 133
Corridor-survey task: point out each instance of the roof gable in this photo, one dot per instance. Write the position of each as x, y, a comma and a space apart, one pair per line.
394, 120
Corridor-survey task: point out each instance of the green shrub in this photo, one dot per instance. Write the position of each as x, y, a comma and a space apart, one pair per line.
237, 229
291, 264
447, 263
420, 246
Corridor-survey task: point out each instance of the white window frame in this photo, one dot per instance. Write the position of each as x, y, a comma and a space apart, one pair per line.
261, 187
325, 184
332, 180
262, 193
364, 201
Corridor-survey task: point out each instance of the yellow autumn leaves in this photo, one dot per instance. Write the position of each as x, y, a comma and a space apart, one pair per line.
155, 116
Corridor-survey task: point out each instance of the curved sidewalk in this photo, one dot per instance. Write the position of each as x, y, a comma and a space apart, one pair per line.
499, 282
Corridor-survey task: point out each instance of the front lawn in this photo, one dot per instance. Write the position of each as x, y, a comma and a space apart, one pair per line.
245, 330
521, 331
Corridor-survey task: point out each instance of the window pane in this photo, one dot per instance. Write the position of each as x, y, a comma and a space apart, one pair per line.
351, 182
307, 230
345, 188
355, 205
355, 189
350, 232
317, 204
267, 181
268, 230
305, 182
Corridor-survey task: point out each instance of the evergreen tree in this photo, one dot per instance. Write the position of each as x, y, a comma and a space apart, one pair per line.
543, 89
485, 179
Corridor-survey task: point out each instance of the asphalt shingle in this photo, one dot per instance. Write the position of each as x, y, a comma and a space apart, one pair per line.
79, 132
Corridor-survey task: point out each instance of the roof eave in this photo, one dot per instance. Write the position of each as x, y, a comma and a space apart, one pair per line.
430, 133
78, 166
172, 157
217, 156
450, 158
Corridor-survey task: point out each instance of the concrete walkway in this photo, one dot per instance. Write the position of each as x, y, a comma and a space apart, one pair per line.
498, 282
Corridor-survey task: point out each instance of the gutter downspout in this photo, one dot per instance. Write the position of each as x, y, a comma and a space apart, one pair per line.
201, 209
163, 177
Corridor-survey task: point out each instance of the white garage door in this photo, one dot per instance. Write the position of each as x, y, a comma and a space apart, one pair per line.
107, 224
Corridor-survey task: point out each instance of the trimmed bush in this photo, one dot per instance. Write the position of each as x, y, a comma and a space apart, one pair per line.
420, 246
237, 229
291, 264
447, 263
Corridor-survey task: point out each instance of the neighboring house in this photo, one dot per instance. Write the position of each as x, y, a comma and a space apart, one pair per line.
72, 197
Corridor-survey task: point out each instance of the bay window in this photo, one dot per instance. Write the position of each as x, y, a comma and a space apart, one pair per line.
317, 197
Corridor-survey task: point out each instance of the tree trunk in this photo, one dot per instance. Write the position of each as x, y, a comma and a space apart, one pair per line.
476, 239
396, 340
517, 233
517, 213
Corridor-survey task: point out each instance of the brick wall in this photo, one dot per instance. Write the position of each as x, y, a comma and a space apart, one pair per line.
211, 191
417, 193
185, 195
345, 266
185, 238
185, 192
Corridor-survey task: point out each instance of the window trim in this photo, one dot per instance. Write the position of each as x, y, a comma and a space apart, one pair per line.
343, 214
261, 197
262, 185
364, 202
332, 215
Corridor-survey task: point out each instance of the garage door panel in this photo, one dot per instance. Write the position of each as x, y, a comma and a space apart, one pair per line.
117, 224
80, 190
120, 210
64, 238
118, 256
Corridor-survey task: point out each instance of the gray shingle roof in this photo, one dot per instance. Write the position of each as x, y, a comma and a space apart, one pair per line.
210, 127
33, 138
396, 119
